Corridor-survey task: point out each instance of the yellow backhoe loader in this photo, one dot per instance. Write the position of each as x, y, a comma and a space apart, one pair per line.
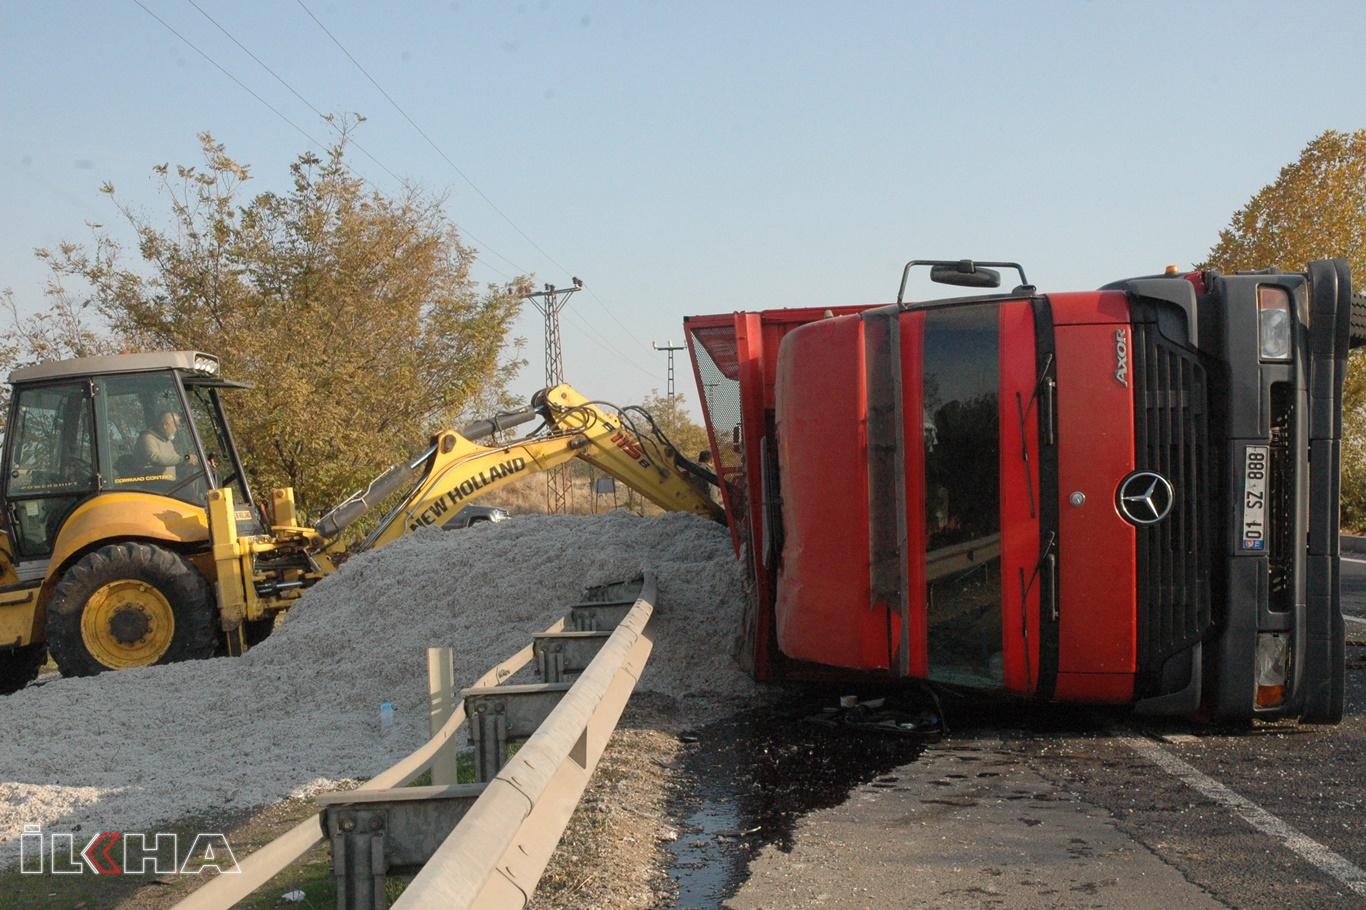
132, 537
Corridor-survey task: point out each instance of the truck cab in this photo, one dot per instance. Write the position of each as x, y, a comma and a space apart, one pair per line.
1122, 496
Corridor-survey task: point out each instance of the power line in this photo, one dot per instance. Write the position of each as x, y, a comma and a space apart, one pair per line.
421, 132
613, 317
552, 300
330, 121
670, 347
482, 195
550, 303
592, 333
601, 341
239, 82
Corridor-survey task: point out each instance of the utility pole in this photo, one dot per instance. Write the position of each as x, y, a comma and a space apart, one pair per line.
549, 302
670, 347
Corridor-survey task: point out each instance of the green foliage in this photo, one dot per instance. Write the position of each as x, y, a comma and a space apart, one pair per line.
1314, 210
1354, 442
351, 312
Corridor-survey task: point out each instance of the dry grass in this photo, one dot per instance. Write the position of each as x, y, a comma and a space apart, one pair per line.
614, 854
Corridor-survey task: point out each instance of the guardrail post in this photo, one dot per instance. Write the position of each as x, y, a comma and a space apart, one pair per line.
376, 834
598, 615
560, 653
358, 862
441, 701
498, 714
488, 735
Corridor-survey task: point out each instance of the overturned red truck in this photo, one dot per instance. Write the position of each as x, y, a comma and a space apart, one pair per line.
1122, 496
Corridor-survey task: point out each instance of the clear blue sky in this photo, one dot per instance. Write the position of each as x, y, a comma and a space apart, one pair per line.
699, 157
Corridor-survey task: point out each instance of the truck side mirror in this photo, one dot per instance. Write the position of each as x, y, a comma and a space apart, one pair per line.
966, 275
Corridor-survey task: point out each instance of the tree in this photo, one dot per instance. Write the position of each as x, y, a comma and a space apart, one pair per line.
60, 332
1314, 210
351, 312
671, 415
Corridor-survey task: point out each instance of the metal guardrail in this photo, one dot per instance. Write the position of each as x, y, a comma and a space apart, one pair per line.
495, 855
1352, 544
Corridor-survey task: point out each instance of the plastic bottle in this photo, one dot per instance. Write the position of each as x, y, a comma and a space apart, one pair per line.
386, 717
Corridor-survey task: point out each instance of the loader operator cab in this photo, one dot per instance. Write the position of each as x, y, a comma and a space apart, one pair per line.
128, 423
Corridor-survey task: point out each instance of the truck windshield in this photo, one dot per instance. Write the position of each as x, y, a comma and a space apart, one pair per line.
962, 495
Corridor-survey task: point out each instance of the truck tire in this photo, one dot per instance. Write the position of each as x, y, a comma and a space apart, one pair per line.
1327, 700
1357, 333
130, 605
20, 667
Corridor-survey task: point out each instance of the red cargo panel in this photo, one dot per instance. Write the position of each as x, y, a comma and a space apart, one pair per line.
823, 612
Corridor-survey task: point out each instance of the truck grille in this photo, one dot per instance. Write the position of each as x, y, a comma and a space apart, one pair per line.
1171, 437
1281, 498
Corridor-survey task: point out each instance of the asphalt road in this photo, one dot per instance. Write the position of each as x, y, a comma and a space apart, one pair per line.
1052, 808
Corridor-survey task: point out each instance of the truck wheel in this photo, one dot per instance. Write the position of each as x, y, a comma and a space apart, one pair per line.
130, 605
20, 667
1357, 333
1326, 702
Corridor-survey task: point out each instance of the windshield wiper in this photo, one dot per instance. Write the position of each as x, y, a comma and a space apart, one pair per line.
1043, 381
1024, 451
1046, 559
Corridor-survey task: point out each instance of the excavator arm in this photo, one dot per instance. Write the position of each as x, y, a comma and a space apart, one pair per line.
455, 470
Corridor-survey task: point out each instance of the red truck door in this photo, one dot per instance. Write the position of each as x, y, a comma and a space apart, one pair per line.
1097, 601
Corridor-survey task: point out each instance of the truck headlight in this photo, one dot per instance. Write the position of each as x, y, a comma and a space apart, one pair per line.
1273, 668
1274, 327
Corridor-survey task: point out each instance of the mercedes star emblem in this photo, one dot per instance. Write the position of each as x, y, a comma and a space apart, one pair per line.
1145, 498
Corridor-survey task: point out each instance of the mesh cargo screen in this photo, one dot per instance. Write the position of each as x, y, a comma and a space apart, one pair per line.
718, 376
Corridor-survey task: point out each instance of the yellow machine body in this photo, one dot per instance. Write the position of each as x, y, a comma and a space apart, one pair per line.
127, 577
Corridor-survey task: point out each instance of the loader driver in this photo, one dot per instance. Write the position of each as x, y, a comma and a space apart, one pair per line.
156, 447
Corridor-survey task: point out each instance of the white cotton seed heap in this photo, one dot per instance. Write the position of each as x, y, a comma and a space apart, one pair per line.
125, 751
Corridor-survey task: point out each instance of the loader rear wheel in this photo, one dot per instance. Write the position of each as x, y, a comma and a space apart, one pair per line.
20, 667
130, 605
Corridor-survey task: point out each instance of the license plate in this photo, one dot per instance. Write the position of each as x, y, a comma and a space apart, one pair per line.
1256, 464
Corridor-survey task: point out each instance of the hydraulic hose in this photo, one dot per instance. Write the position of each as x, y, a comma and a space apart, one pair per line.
499, 422
403, 474
395, 478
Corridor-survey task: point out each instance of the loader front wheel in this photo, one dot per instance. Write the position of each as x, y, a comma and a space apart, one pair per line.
20, 667
130, 605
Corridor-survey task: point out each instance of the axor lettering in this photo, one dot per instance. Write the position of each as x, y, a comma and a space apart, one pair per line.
1122, 358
